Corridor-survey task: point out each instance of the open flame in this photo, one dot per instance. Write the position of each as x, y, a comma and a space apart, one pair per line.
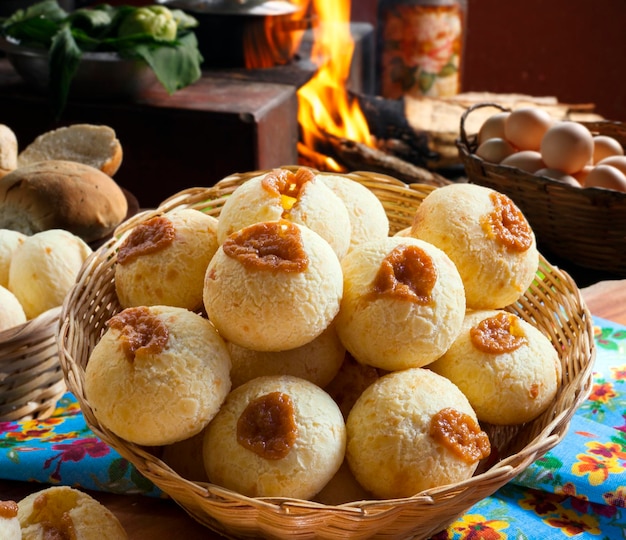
325, 107
324, 104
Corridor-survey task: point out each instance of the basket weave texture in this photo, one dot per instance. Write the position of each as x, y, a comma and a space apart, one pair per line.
31, 378
553, 303
583, 226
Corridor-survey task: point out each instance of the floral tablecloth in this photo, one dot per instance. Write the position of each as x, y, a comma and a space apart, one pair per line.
577, 490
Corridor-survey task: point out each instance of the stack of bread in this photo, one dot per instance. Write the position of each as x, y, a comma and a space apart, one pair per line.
57, 196
58, 512
302, 363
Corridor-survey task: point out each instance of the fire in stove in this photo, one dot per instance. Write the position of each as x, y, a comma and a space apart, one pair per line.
341, 129
342, 126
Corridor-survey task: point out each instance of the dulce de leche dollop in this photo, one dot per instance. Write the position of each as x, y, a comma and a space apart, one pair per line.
267, 426
275, 246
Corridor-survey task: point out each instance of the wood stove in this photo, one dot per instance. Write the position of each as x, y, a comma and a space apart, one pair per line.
234, 119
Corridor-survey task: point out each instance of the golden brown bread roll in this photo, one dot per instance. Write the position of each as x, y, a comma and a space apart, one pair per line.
403, 303
61, 195
275, 436
273, 286
509, 371
486, 236
413, 430
163, 260
91, 144
158, 375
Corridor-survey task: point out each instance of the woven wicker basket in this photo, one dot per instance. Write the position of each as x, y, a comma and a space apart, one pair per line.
31, 379
553, 303
584, 226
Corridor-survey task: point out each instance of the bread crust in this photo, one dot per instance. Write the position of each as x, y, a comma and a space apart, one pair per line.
91, 144
61, 194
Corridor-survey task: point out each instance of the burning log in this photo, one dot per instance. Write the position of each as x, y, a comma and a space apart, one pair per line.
392, 131
358, 156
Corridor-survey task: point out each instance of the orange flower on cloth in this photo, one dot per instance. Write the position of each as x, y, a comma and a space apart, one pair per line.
601, 461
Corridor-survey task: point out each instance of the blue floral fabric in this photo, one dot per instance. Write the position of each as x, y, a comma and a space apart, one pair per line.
576, 490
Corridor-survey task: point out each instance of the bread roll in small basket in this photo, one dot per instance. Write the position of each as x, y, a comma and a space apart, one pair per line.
553, 303
584, 226
31, 379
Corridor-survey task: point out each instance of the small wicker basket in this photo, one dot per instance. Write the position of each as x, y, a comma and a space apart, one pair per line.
553, 303
31, 378
584, 226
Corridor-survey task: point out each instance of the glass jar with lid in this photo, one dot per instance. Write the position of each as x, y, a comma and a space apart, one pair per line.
420, 47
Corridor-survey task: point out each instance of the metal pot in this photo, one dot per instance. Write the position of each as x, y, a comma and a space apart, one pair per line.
245, 33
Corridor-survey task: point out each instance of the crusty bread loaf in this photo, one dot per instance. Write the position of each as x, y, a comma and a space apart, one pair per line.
94, 145
61, 195
8, 150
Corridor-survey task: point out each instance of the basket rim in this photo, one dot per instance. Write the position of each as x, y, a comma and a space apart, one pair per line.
495, 476
38, 323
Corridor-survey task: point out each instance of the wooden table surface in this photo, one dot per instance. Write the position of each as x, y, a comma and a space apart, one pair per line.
145, 518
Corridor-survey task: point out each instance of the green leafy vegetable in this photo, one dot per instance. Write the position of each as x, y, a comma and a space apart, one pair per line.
155, 21
157, 35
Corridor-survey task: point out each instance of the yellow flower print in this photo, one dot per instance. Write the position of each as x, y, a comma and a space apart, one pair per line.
601, 460
572, 523
475, 526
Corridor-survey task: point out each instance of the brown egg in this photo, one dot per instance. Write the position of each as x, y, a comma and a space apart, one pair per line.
524, 128
556, 174
607, 177
619, 162
527, 160
581, 175
604, 147
567, 146
493, 127
495, 150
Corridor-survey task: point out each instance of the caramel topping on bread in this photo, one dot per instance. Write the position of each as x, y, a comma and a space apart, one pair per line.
149, 237
406, 273
53, 516
140, 330
287, 184
461, 434
267, 426
8, 509
275, 246
499, 334
507, 224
